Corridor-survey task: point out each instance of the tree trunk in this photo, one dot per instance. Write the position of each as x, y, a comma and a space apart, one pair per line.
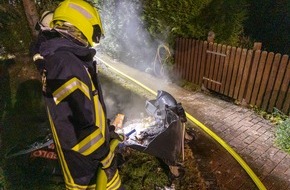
31, 15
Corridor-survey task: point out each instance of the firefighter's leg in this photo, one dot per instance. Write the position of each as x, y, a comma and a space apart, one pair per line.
114, 183
108, 178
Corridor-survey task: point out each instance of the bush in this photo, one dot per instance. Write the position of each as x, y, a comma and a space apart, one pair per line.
14, 32
283, 135
194, 19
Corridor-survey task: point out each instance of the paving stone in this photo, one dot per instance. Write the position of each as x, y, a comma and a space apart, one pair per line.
273, 153
250, 139
275, 183
244, 128
247, 150
224, 127
225, 114
259, 149
238, 143
286, 159
270, 141
242, 136
268, 182
281, 157
281, 169
262, 129
267, 127
218, 130
268, 167
287, 172
257, 164
254, 133
239, 118
266, 141
248, 114
231, 117
231, 122
256, 120
228, 137
217, 124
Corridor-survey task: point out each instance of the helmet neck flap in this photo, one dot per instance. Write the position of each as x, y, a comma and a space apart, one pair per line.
70, 32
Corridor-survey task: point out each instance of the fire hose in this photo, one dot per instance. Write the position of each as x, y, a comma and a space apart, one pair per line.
234, 154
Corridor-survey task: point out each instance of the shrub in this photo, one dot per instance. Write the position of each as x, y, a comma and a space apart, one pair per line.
283, 135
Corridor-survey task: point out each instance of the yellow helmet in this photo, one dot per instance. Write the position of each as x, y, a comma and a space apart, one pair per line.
83, 16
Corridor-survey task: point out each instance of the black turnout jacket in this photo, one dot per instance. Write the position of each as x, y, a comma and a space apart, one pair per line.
75, 109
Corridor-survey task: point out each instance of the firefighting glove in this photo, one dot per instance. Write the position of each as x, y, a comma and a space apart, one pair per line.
113, 134
39, 62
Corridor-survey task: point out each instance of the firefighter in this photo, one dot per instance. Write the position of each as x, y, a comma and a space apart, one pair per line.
73, 96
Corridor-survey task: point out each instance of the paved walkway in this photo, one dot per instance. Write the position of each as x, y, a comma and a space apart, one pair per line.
251, 136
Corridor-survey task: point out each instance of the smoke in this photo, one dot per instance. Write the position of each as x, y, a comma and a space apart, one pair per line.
121, 100
127, 40
126, 37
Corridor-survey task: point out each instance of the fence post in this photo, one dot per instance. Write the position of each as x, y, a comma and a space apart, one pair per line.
257, 46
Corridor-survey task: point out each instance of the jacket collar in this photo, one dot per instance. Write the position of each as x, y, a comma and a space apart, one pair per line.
49, 47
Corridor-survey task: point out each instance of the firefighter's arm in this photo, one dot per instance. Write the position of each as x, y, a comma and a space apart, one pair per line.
89, 132
71, 90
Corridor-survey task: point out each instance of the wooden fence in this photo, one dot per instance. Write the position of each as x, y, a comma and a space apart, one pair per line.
258, 78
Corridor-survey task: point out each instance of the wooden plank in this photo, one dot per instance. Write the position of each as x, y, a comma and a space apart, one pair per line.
225, 69
195, 49
187, 60
203, 62
182, 64
207, 66
199, 46
253, 71
185, 49
216, 53
216, 67
279, 78
258, 79
185, 64
212, 65
271, 80
236, 65
245, 76
220, 68
180, 57
193, 63
176, 55
265, 79
283, 89
230, 71
196, 64
286, 105
240, 73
